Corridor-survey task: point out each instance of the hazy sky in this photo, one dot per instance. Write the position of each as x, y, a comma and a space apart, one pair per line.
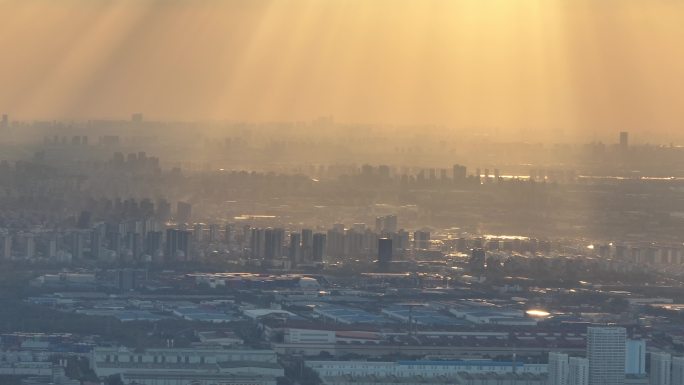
588, 67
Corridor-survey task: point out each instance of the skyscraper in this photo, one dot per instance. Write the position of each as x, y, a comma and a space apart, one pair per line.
477, 261
184, 244
421, 239
153, 242
171, 243
635, 357
558, 369
624, 139
295, 249
458, 173
257, 242
76, 245
660, 369
319, 247
606, 355
386, 224
274, 243
30, 246
384, 254
578, 371
198, 232
183, 212
307, 244
7, 246
214, 232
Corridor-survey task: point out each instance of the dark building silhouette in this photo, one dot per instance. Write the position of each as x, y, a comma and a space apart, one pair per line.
273, 239
183, 212
477, 261
153, 242
319, 247
171, 245
295, 249
130, 279
421, 239
307, 244
163, 210
84, 220
183, 244
384, 254
386, 224
624, 139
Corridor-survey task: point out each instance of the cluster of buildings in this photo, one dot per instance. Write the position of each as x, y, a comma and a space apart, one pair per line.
612, 359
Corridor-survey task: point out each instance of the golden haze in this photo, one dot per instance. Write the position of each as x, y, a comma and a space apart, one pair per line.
574, 68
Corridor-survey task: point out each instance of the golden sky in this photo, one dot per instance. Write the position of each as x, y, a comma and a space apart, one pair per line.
578, 67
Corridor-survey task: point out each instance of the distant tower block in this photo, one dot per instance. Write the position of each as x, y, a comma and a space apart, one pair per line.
137, 117
4, 122
384, 254
624, 139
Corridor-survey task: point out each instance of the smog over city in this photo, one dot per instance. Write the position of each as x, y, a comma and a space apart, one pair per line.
341, 192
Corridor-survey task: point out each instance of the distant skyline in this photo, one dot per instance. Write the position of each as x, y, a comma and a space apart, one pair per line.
551, 68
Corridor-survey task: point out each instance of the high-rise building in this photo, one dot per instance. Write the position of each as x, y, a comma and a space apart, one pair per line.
4, 123
30, 246
307, 244
177, 244
386, 224
198, 232
477, 261
295, 249
274, 239
126, 280
163, 210
335, 240
183, 212
624, 139
214, 232
76, 245
230, 235
84, 220
660, 369
319, 247
677, 370
183, 250
134, 244
384, 254
7, 246
96, 244
171, 244
153, 243
578, 371
635, 357
421, 240
606, 355
51, 249
458, 173
257, 242
558, 369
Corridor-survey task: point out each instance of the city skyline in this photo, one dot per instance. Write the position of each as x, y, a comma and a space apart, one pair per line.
552, 69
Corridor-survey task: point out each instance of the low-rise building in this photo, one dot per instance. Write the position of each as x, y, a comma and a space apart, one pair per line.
178, 366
